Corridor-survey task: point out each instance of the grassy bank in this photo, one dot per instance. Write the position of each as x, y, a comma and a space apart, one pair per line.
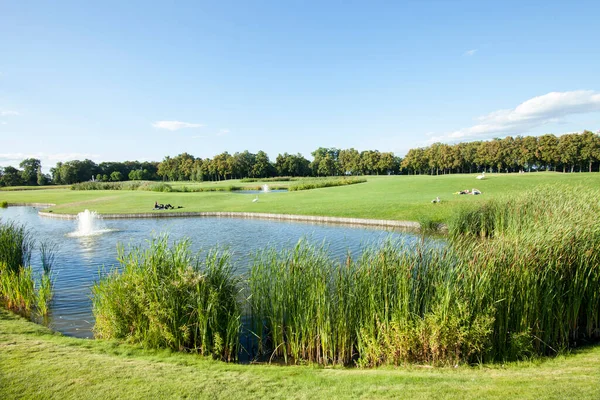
35, 363
384, 197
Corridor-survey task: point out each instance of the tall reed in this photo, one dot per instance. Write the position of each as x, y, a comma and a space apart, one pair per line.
19, 290
543, 266
16, 245
389, 306
166, 297
519, 277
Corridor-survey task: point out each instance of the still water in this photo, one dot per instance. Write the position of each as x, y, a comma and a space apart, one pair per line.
81, 260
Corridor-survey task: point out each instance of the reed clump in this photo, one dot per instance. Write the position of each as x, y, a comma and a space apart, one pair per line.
156, 187
19, 290
316, 183
541, 260
391, 306
166, 297
519, 277
95, 185
276, 179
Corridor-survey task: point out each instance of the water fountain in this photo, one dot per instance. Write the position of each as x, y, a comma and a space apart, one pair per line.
265, 188
88, 224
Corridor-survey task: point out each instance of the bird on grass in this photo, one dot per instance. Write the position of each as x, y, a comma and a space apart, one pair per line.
482, 176
436, 200
255, 200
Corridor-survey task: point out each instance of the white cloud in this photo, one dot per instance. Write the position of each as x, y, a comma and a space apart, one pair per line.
6, 113
48, 160
175, 125
535, 112
470, 52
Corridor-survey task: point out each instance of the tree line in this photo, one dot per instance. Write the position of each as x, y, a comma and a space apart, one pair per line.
326, 162
76, 171
566, 153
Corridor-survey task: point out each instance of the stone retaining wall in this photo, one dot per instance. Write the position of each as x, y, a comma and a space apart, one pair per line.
281, 217
388, 223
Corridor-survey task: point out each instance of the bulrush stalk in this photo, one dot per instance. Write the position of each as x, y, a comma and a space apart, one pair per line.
166, 297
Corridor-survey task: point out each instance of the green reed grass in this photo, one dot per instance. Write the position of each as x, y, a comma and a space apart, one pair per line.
390, 306
166, 297
542, 268
519, 277
16, 245
315, 183
19, 290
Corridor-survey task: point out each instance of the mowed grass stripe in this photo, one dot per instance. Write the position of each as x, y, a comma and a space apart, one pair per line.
38, 364
384, 197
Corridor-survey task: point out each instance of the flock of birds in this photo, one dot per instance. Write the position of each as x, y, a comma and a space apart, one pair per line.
437, 199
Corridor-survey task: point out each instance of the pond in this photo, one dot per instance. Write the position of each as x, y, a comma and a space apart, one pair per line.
81, 259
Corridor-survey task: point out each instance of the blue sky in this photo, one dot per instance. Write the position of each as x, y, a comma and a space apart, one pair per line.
117, 81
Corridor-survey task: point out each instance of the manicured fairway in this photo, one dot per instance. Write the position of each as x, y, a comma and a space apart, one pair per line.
383, 197
34, 363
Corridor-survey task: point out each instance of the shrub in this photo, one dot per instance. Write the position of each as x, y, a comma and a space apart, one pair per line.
3, 204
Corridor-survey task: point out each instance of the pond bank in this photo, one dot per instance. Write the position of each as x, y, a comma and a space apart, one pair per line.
387, 223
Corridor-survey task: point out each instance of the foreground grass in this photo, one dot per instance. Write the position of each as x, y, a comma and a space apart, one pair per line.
383, 197
35, 363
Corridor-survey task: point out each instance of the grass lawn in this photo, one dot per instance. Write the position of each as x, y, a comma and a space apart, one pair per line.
35, 363
381, 197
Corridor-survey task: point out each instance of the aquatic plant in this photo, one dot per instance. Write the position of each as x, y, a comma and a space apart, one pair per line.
520, 277
542, 266
315, 183
166, 297
390, 306
16, 245
19, 290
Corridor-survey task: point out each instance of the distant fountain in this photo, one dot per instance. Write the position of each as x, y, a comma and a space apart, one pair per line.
265, 188
88, 224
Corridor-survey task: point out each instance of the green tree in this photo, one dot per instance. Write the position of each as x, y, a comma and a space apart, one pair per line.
548, 151
569, 148
415, 161
42, 179
325, 162
30, 167
55, 172
11, 177
387, 163
590, 148
168, 168
116, 176
262, 167
369, 160
223, 165
349, 161
76, 171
